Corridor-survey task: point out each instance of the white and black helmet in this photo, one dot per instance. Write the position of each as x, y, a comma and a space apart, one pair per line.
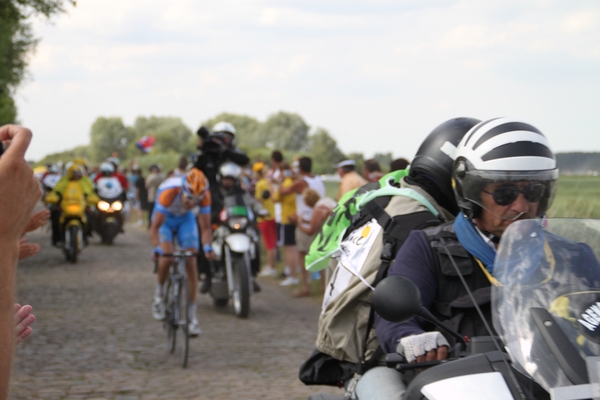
503, 150
230, 170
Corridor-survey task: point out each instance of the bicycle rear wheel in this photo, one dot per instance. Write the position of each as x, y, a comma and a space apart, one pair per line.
183, 320
170, 323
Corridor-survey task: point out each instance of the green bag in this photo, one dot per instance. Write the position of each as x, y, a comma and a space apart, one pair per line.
327, 241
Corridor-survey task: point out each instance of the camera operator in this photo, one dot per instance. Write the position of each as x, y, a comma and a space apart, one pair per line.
214, 149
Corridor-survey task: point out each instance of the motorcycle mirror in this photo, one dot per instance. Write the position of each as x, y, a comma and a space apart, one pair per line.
397, 299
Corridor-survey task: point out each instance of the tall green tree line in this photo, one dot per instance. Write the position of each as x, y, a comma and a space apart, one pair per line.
16, 43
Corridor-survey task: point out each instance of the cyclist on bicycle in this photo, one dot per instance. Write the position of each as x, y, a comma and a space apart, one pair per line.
177, 199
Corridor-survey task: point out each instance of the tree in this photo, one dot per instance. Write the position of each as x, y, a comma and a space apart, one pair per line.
324, 151
284, 130
16, 42
247, 135
109, 135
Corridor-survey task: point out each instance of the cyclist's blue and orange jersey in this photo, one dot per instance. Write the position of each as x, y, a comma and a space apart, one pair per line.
169, 199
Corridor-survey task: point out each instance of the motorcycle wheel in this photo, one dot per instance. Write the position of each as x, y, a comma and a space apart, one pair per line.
241, 288
110, 231
72, 249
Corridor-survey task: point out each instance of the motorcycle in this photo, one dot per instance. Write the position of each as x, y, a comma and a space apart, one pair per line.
235, 243
109, 210
546, 310
72, 219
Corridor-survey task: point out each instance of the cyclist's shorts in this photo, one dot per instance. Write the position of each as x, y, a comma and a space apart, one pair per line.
187, 231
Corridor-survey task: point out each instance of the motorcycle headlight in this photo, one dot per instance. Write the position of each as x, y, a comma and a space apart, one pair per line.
237, 223
117, 206
103, 205
73, 209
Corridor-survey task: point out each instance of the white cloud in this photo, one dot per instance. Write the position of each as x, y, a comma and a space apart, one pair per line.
352, 67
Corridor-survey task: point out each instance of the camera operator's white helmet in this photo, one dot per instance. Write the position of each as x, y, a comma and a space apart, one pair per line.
224, 126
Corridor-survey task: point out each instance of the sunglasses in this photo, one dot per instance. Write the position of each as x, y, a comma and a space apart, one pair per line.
193, 199
506, 194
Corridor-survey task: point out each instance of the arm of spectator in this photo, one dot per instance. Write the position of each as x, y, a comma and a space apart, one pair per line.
19, 192
297, 187
38, 219
27, 250
23, 319
316, 222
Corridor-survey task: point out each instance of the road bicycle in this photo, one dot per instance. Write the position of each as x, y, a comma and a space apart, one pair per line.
176, 300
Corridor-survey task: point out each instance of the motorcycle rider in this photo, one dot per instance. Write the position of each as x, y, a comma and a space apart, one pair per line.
109, 187
503, 171
50, 178
430, 177
176, 199
229, 185
214, 149
74, 173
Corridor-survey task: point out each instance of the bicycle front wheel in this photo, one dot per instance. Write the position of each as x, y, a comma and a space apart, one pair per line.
170, 323
184, 320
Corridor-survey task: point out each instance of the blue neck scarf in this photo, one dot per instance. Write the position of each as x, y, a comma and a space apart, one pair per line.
472, 241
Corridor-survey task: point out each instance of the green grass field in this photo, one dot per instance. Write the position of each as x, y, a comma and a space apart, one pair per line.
577, 197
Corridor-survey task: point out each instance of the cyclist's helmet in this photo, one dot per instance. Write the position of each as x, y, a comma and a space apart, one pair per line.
225, 127
194, 184
504, 150
435, 156
230, 170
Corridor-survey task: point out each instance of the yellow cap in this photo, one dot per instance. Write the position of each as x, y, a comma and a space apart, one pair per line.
258, 166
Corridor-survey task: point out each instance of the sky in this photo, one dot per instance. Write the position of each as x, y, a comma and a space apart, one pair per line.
378, 75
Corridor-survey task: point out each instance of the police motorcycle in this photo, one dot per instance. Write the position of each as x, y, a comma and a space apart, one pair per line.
109, 210
545, 299
71, 206
235, 243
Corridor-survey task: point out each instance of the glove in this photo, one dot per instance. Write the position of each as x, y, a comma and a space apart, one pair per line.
207, 248
414, 346
157, 250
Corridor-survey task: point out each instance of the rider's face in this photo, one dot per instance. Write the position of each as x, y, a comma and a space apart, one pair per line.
495, 218
187, 203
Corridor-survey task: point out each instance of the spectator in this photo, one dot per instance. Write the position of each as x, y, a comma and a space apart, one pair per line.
372, 170
181, 167
305, 180
19, 192
398, 164
141, 195
322, 207
266, 224
286, 233
153, 181
350, 178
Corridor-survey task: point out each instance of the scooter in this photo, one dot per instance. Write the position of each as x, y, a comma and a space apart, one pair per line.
235, 243
546, 313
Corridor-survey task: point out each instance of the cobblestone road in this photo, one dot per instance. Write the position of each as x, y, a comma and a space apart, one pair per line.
94, 337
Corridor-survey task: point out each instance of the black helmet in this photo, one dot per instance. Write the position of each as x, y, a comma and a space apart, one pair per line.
435, 156
503, 150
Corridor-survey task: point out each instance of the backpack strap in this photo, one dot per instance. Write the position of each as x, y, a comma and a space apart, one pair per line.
395, 233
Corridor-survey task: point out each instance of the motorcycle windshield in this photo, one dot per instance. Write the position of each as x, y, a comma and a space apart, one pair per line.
235, 206
550, 264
